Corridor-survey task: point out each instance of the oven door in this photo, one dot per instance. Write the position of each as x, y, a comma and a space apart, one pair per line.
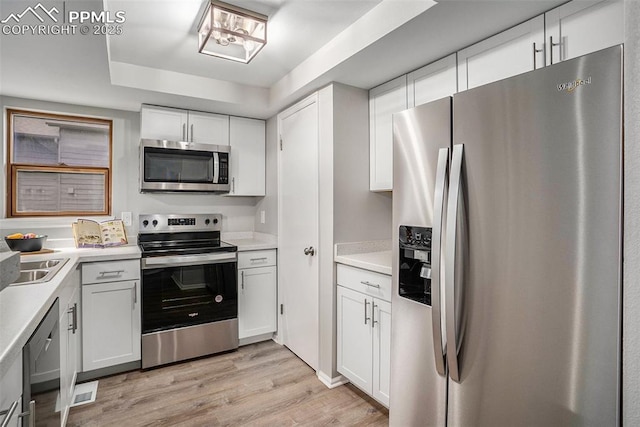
180, 291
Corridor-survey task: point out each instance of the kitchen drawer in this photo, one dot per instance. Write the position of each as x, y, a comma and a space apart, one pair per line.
365, 281
110, 271
252, 259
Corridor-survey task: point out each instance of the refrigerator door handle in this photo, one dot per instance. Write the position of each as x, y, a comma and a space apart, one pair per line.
442, 182
453, 212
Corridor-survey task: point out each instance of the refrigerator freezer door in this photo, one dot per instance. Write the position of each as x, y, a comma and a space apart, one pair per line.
539, 326
418, 393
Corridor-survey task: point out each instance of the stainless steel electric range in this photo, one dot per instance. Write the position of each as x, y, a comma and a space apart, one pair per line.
189, 288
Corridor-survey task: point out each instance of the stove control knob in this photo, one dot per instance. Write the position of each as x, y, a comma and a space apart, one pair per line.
207, 221
155, 222
145, 223
215, 220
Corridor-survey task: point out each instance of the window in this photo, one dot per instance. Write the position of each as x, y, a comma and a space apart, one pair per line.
58, 165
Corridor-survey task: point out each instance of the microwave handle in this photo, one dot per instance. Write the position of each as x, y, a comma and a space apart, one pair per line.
216, 168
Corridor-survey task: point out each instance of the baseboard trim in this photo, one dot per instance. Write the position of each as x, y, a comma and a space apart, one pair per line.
257, 338
331, 382
105, 372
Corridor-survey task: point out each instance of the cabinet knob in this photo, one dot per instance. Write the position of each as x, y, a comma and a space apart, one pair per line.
309, 251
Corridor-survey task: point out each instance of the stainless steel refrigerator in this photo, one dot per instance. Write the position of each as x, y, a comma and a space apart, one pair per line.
507, 260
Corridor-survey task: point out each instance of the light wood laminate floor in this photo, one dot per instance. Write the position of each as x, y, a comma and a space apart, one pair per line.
261, 384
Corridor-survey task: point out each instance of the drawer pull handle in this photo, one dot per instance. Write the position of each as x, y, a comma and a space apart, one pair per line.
114, 272
73, 311
373, 285
373, 315
366, 304
264, 258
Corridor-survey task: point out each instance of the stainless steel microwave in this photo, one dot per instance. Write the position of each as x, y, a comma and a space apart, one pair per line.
183, 166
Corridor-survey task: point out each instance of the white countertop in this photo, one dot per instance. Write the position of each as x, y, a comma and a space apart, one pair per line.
23, 306
250, 240
374, 255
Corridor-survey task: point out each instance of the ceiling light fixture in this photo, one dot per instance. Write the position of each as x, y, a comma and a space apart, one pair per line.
231, 32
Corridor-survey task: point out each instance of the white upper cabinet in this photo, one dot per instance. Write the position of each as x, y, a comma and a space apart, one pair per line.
182, 125
163, 123
511, 52
582, 27
431, 82
247, 140
208, 128
384, 101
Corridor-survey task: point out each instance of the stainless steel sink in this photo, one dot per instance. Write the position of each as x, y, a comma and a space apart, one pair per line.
32, 272
35, 265
31, 275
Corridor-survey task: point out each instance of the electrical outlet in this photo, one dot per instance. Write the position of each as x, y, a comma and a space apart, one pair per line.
262, 218
126, 219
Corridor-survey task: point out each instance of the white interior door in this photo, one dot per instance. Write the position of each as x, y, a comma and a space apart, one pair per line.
298, 228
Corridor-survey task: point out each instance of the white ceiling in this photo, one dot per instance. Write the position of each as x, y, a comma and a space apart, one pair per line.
310, 43
163, 35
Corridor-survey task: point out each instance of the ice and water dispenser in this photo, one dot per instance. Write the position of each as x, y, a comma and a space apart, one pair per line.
415, 264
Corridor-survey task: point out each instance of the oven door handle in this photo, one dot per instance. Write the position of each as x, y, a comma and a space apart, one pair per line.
185, 260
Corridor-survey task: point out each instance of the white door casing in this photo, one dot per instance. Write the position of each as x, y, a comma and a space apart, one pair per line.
298, 273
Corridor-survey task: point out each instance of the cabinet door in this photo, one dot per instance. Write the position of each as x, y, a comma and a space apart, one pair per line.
257, 301
10, 392
247, 141
381, 350
163, 123
69, 347
355, 337
384, 100
110, 324
581, 27
434, 81
73, 340
208, 128
514, 51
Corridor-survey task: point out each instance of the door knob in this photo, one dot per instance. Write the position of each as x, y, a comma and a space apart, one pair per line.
309, 251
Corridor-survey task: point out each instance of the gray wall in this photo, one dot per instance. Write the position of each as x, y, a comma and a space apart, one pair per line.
239, 213
349, 212
631, 298
359, 214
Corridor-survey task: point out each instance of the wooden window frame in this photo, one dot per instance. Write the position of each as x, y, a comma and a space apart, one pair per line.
14, 168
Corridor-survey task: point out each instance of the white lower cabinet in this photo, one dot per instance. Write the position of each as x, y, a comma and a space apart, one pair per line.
364, 339
111, 324
11, 394
69, 328
257, 294
355, 338
381, 350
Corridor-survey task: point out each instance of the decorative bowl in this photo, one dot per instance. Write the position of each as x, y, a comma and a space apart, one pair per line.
32, 244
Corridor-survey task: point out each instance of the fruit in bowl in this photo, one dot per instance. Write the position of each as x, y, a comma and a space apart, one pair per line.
29, 242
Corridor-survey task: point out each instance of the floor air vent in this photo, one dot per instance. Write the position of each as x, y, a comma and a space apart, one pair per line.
84, 393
